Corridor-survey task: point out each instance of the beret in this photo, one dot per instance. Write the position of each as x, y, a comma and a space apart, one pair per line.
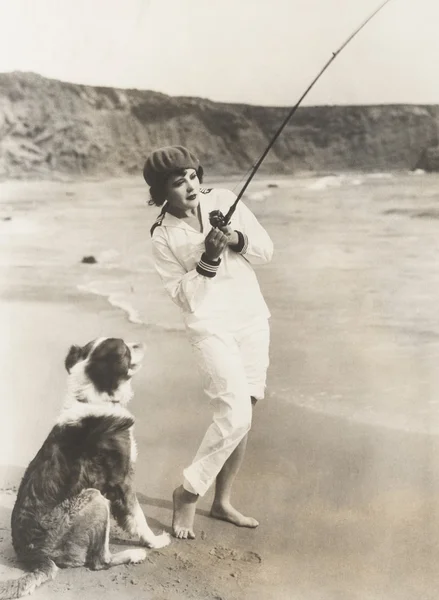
166, 160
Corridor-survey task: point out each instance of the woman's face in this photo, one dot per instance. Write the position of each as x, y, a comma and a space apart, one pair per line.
182, 191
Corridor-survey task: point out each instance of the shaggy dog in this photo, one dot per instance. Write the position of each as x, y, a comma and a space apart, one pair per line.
83, 471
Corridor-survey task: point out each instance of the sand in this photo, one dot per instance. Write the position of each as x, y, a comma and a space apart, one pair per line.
347, 510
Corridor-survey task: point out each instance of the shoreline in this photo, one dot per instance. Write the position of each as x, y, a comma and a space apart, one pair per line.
347, 509
261, 176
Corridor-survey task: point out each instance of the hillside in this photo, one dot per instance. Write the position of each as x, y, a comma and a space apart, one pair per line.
49, 127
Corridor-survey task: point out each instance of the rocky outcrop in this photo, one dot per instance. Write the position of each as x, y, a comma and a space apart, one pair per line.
49, 127
429, 160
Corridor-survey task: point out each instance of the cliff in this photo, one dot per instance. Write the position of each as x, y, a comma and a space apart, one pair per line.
49, 127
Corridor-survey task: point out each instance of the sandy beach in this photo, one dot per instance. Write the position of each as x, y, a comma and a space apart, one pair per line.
342, 467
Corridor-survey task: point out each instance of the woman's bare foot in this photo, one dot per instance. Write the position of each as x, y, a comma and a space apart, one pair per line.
226, 512
184, 513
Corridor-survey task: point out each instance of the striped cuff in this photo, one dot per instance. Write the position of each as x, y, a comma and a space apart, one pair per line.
242, 244
207, 266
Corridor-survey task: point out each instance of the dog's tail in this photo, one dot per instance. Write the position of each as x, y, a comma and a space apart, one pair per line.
27, 583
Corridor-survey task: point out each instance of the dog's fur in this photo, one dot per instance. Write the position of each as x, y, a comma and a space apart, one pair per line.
83, 471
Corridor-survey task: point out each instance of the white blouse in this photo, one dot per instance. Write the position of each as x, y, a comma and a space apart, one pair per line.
230, 296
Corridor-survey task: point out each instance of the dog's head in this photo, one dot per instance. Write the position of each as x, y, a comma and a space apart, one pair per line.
101, 371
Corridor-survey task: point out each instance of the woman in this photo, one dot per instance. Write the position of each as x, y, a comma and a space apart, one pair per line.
208, 274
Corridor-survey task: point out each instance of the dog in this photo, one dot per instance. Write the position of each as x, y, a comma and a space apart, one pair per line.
82, 474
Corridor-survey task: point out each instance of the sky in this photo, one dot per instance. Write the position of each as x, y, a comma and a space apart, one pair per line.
262, 52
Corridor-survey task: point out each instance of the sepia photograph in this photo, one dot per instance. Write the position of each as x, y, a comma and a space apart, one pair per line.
219, 291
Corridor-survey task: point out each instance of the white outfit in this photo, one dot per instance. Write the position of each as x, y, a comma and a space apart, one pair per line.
226, 318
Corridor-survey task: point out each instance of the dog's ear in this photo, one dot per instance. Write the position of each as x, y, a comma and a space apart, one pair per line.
72, 357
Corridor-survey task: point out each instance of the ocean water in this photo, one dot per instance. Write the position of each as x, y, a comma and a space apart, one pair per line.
353, 287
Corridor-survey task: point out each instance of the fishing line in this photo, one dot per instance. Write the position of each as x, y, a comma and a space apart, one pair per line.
216, 218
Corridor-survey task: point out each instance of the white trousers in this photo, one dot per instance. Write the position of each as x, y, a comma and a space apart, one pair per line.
233, 367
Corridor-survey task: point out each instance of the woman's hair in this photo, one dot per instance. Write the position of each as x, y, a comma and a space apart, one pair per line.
157, 192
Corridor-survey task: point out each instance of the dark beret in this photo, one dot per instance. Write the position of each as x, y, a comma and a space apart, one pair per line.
166, 160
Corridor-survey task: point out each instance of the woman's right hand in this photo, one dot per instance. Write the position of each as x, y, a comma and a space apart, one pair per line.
214, 243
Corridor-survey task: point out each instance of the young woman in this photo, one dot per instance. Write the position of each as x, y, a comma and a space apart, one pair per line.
208, 273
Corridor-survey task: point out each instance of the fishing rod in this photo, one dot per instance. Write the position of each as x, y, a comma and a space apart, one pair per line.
216, 217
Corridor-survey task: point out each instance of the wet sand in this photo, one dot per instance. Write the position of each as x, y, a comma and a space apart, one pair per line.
347, 510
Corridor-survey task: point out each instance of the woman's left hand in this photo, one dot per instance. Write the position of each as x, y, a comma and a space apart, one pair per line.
231, 234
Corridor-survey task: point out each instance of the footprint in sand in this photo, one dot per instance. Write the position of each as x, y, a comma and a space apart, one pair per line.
251, 557
224, 553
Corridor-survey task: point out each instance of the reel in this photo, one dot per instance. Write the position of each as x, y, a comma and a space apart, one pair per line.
217, 219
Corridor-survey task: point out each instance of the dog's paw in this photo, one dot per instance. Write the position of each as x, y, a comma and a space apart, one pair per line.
160, 541
137, 555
